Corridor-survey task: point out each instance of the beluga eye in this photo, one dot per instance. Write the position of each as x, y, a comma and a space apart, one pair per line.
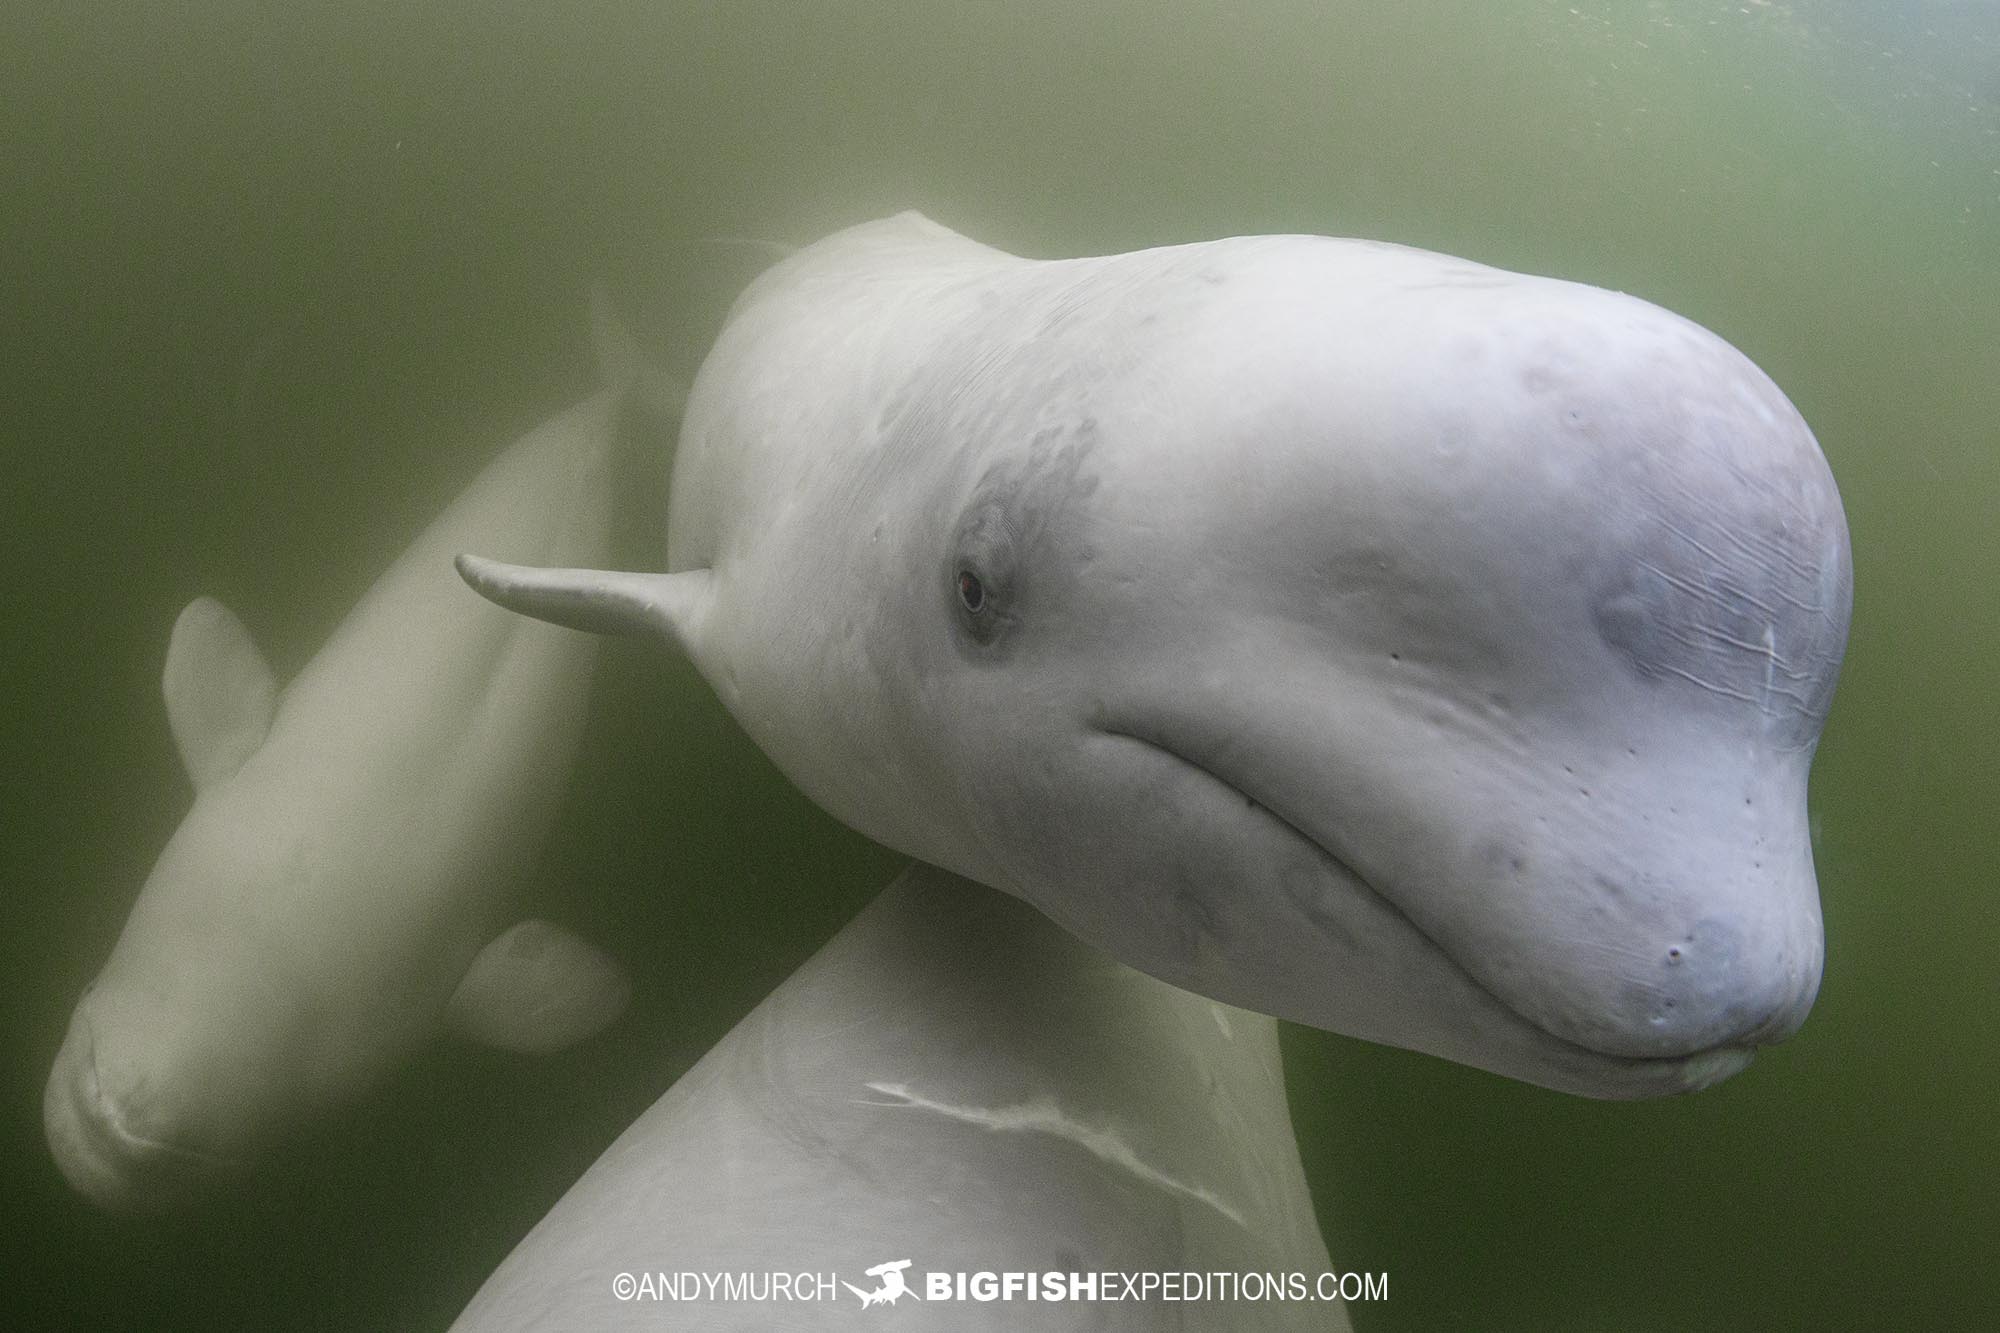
980, 580
971, 592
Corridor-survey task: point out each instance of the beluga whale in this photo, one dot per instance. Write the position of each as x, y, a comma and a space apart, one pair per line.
348, 883
952, 1085
1354, 634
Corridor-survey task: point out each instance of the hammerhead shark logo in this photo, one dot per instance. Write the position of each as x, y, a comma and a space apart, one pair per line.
893, 1287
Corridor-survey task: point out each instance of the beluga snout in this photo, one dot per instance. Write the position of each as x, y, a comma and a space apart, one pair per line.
108, 1153
1364, 636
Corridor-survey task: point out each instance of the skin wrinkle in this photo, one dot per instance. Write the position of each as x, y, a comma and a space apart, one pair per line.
1732, 626
1739, 564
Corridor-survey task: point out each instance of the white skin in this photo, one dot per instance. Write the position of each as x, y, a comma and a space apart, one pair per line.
1363, 636
347, 883
954, 1081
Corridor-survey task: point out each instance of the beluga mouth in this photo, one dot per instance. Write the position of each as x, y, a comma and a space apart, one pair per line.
1365, 917
102, 1154
1728, 1059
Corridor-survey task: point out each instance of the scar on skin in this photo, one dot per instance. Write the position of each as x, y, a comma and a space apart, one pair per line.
1043, 1116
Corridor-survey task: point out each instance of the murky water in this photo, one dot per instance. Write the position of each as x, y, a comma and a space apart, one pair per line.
277, 280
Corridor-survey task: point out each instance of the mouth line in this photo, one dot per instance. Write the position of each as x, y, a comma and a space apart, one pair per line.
1346, 869
103, 1122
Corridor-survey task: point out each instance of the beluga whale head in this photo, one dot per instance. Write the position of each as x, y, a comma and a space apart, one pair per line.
1368, 637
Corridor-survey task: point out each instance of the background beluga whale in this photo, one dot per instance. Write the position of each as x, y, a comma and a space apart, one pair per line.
953, 1083
1359, 635
347, 883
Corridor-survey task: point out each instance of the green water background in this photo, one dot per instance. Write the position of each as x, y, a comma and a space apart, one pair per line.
277, 279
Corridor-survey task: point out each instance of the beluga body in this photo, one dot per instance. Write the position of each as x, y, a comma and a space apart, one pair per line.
1350, 633
951, 1085
348, 882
